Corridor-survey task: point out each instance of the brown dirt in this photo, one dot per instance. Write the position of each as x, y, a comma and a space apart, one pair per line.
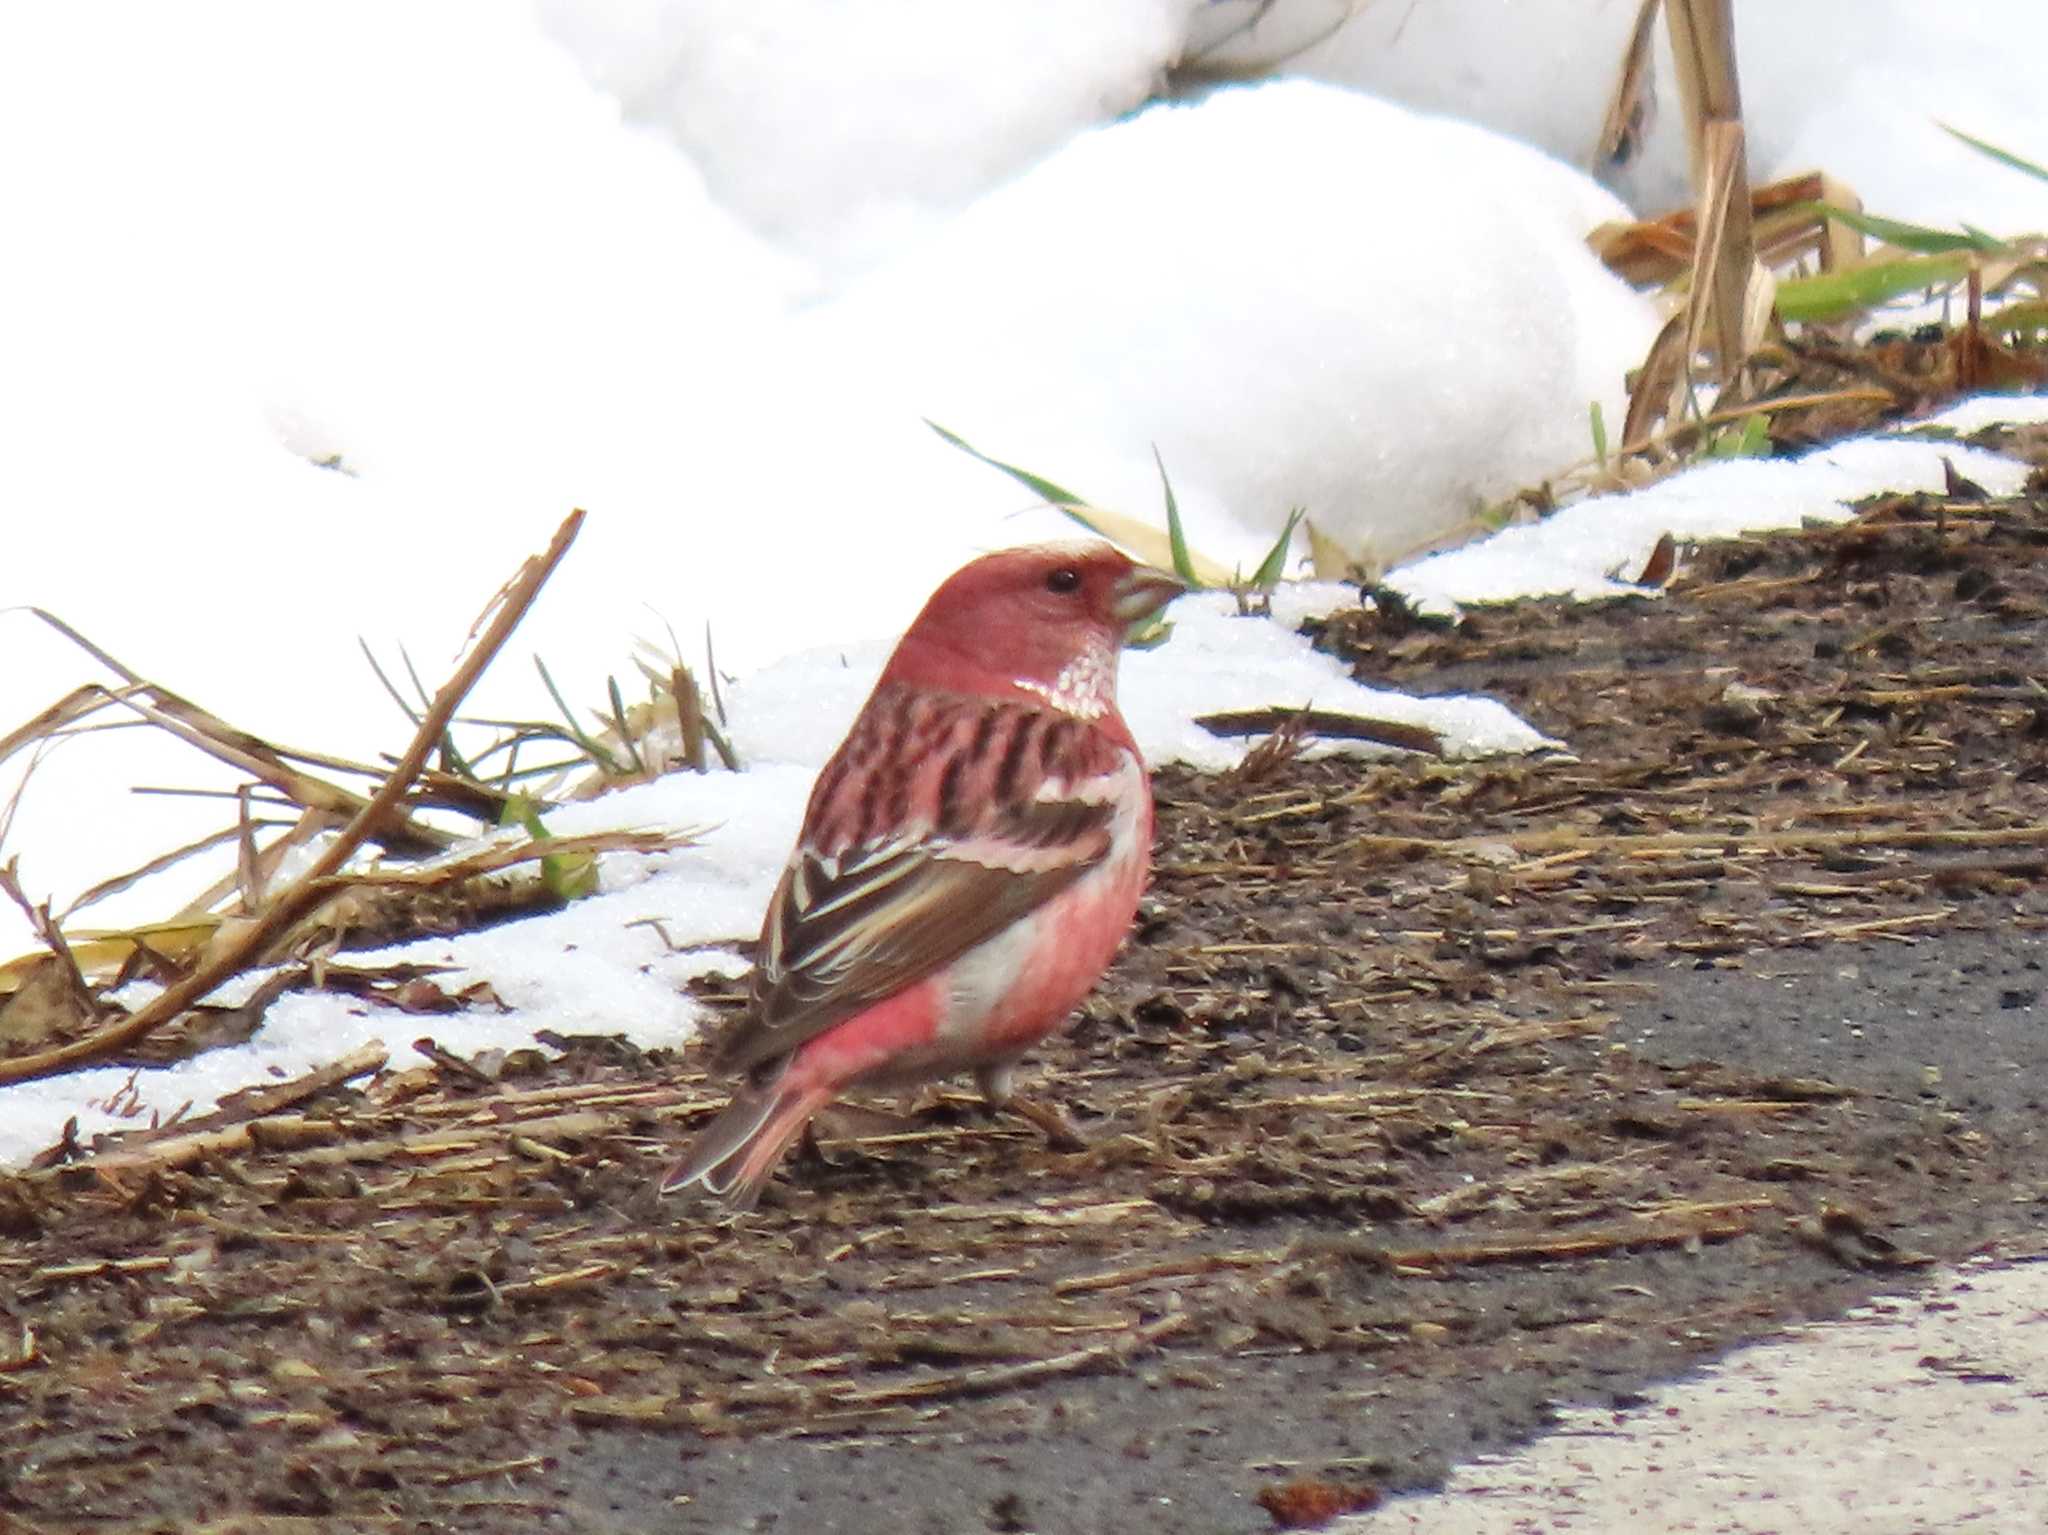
1427, 1095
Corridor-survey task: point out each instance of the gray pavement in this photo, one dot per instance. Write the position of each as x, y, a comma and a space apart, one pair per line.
1918, 1413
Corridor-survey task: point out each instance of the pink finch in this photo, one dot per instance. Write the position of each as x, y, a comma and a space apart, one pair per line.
969, 863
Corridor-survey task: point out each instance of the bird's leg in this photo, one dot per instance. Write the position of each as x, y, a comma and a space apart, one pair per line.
808, 1148
998, 1084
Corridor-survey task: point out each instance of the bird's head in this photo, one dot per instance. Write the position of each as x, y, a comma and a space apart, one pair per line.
1047, 621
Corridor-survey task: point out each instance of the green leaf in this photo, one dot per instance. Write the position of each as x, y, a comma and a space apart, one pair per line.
1056, 496
2026, 318
2002, 156
1176, 538
568, 876
1274, 565
1836, 295
521, 810
1142, 539
1599, 419
1750, 440
1913, 237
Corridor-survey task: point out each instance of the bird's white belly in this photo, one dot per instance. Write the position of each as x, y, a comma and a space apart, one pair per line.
1059, 951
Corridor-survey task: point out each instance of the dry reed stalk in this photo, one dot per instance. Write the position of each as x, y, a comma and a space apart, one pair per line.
1634, 103
1703, 42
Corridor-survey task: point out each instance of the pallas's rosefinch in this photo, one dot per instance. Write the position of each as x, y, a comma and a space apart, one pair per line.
969, 862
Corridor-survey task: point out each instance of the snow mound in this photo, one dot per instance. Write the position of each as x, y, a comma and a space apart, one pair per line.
1244, 284
844, 130
1544, 70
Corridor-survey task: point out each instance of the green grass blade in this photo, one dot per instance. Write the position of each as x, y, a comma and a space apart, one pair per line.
1056, 496
1837, 295
2026, 318
1176, 538
619, 724
711, 674
419, 687
1274, 565
451, 759
1142, 539
584, 743
2002, 156
1751, 440
1918, 238
515, 773
722, 746
1599, 420
389, 686
568, 876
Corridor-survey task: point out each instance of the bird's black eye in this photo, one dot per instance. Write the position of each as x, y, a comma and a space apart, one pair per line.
1065, 579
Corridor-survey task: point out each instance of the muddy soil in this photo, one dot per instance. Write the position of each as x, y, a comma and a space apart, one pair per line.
1426, 1097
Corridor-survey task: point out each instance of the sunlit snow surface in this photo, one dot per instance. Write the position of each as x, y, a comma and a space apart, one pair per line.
318, 317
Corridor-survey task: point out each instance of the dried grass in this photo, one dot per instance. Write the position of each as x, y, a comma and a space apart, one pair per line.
1763, 282
56, 1012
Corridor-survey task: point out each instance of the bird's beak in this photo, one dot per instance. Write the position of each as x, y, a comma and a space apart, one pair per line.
1143, 593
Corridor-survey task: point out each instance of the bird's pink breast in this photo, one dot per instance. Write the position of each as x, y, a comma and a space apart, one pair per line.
1073, 938
997, 1000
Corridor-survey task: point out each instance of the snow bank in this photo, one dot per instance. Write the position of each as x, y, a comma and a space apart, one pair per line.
845, 131
1302, 297
1854, 87
1593, 549
270, 392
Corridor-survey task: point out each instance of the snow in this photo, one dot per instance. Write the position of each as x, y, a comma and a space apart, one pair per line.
1190, 283
1854, 87
1975, 415
491, 300
1579, 550
848, 163
318, 318
1538, 70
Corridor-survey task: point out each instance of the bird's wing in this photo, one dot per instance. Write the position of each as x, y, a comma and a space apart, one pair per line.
847, 928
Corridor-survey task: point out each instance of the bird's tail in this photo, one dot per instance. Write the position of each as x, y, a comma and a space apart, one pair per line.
733, 1156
